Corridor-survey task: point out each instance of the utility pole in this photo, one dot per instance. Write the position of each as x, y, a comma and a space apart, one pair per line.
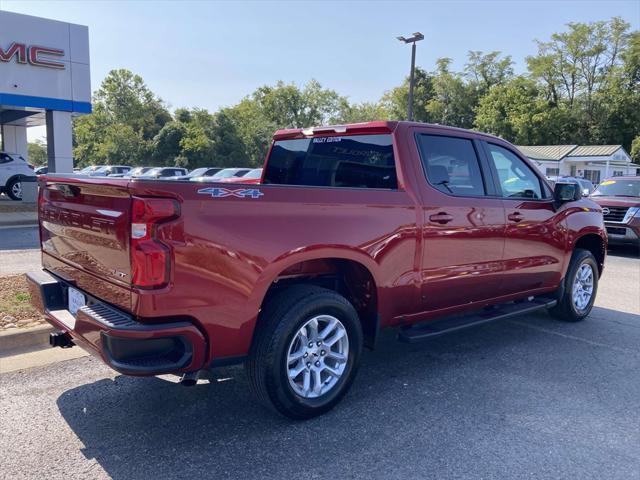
417, 36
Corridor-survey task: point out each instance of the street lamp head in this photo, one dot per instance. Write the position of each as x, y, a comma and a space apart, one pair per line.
417, 36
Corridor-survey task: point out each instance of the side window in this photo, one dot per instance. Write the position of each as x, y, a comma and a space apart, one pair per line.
4, 158
451, 165
516, 179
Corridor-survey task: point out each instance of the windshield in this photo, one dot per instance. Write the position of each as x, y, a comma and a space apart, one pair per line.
153, 171
618, 188
255, 173
101, 169
197, 172
138, 170
226, 173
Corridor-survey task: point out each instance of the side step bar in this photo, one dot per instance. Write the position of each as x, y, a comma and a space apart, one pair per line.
436, 328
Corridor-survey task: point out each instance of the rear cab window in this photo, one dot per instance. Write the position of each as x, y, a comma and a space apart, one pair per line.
349, 161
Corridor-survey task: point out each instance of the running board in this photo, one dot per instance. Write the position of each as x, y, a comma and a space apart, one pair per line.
436, 328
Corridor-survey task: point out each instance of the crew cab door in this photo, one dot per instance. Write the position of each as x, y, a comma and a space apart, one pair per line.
535, 235
463, 221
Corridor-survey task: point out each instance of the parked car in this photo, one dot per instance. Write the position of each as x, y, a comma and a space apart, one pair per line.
619, 198
163, 173
108, 170
90, 169
198, 172
355, 228
586, 185
13, 168
133, 173
251, 177
223, 174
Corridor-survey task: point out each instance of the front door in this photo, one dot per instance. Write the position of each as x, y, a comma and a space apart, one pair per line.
535, 235
463, 232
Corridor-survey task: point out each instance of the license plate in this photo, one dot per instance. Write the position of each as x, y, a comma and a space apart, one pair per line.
76, 300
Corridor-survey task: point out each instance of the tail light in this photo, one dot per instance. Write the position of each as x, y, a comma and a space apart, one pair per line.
150, 258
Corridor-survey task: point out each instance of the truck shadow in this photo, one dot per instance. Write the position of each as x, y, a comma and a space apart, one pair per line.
452, 396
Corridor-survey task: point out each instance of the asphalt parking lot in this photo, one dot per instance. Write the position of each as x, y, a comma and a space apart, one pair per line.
525, 398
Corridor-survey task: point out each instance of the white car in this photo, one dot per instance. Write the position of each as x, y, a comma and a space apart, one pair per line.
13, 168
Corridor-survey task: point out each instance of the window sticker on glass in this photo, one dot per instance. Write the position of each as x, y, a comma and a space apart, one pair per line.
327, 139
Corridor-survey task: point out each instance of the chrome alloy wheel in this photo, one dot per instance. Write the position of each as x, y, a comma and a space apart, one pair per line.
583, 286
16, 189
317, 356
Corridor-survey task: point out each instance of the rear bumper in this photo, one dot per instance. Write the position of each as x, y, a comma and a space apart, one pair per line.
621, 233
127, 346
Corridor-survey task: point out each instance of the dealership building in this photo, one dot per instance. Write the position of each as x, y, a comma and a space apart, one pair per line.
44, 80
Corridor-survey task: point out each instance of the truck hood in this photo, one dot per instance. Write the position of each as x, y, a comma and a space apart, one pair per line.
616, 201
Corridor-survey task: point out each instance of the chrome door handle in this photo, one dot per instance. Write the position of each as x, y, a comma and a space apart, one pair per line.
441, 218
515, 217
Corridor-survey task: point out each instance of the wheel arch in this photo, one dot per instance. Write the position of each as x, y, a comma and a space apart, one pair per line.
594, 243
349, 272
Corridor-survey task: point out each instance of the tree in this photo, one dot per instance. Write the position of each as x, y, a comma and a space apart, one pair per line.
126, 115
635, 150
395, 102
37, 151
453, 101
487, 70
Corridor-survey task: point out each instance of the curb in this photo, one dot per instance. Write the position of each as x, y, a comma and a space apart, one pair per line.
17, 341
29, 223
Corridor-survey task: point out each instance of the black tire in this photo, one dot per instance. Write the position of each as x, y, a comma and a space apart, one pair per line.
566, 310
10, 187
278, 323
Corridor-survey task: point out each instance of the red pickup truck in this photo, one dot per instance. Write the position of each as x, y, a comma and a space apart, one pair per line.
425, 228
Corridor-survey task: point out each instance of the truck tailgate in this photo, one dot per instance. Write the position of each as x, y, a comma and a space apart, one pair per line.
85, 234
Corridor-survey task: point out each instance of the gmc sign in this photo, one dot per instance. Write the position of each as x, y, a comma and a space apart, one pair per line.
34, 55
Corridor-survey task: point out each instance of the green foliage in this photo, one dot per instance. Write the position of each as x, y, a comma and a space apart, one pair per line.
37, 153
582, 86
635, 149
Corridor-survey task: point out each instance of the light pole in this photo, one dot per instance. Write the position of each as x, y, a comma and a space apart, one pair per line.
417, 36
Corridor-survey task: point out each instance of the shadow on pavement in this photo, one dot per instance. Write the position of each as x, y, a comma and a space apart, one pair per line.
626, 251
504, 400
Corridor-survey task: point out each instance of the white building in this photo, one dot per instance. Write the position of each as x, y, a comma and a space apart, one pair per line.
44, 80
593, 162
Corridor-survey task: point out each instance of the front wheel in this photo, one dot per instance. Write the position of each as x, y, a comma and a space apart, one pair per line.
306, 351
580, 288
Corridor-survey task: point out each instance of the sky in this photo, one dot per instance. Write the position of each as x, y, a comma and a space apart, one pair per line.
212, 54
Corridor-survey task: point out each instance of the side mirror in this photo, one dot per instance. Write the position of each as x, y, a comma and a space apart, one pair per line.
566, 192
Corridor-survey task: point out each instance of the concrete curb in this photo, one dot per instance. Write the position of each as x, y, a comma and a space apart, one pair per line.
18, 224
22, 340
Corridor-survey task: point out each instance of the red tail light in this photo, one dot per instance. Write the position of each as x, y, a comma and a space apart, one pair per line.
150, 258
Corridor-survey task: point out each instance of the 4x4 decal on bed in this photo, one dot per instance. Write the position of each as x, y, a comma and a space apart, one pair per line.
218, 192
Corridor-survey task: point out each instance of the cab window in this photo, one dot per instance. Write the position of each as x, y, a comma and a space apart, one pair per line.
515, 177
451, 165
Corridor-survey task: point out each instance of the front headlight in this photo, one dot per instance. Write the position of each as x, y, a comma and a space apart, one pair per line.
632, 212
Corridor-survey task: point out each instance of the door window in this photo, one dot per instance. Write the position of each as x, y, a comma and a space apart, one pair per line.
515, 177
4, 158
451, 165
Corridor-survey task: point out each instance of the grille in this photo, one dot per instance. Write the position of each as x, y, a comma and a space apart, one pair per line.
616, 214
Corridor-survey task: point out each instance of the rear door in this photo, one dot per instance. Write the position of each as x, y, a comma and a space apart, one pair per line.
534, 236
463, 232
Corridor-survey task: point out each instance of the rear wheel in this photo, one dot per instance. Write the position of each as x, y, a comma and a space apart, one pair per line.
14, 189
580, 288
306, 351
